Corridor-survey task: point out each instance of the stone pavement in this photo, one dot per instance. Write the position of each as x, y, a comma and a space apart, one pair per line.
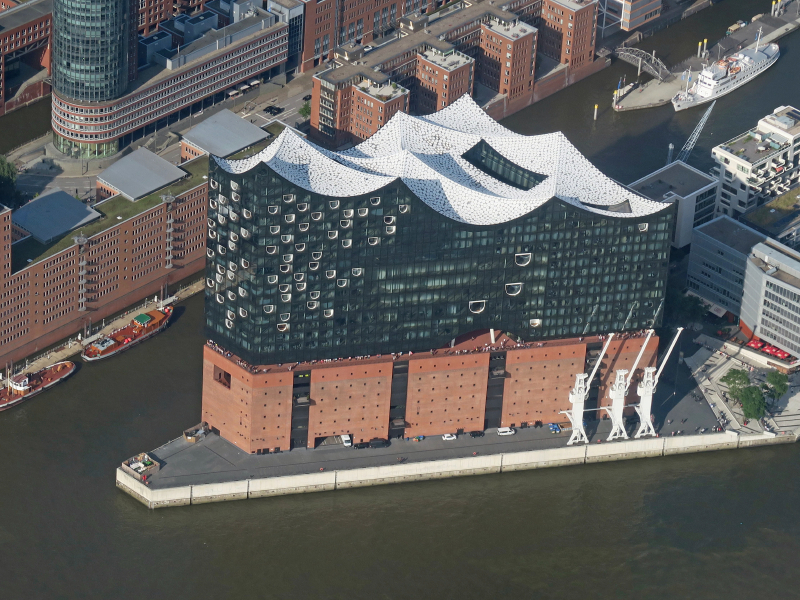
709, 365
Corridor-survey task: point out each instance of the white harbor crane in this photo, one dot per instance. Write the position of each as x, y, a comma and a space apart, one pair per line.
618, 391
683, 155
647, 388
578, 396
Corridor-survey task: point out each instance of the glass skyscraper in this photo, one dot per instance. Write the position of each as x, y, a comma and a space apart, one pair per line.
91, 41
432, 228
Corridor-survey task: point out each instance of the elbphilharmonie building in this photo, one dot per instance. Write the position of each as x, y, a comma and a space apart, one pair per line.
434, 227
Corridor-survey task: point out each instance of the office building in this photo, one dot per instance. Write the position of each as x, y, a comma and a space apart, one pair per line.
760, 164
693, 191
626, 15
25, 42
291, 12
434, 228
771, 304
718, 260
106, 100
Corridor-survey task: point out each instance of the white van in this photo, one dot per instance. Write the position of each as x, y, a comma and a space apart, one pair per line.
347, 441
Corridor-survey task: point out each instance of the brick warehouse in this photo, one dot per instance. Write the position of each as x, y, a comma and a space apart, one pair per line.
457, 389
54, 288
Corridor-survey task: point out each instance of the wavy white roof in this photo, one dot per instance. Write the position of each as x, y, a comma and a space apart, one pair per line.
425, 152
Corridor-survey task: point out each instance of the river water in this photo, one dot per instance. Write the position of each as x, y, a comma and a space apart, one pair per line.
717, 525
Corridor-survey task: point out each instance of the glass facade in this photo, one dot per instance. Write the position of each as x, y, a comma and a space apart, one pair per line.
90, 48
297, 276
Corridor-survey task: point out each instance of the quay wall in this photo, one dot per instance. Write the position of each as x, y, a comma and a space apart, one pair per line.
440, 469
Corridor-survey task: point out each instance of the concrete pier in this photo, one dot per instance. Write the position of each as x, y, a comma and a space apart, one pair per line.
657, 93
343, 478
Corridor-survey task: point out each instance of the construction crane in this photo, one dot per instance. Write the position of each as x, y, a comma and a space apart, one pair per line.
618, 391
646, 390
683, 155
578, 396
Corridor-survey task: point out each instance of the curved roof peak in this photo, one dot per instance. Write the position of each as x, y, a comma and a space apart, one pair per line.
427, 154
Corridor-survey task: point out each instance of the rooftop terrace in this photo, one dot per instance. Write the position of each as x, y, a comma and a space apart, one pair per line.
778, 214
383, 92
450, 61
113, 211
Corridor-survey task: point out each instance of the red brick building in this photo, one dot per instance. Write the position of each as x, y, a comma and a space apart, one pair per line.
25, 40
567, 30
50, 291
474, 385
437, 62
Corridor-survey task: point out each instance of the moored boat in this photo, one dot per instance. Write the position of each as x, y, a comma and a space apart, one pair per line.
142, 327
726, 75
25, 386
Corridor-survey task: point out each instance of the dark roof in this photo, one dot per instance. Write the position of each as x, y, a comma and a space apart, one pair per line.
140, 173
731, 233
52, 215
678, 178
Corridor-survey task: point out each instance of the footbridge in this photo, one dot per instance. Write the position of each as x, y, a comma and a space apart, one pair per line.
645, 61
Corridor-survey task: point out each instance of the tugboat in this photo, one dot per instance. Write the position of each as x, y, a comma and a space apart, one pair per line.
142, 327
26, 385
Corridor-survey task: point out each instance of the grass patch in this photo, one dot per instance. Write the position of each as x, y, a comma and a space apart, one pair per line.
782, 205
112, 212
275, 128
252, 150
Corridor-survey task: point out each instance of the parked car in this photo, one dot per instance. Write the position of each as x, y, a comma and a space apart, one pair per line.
506, 431
379, 443
449, 437
361, 445
476, 434
347, 442
307, 98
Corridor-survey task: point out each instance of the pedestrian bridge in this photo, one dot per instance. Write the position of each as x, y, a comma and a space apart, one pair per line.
647, 62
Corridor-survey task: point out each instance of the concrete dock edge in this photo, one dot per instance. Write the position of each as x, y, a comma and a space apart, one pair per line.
440, 469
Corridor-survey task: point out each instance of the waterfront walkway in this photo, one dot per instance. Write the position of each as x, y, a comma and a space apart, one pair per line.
72, 347
656, 93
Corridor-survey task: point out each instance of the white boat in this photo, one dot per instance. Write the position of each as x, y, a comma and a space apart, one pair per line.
724, 76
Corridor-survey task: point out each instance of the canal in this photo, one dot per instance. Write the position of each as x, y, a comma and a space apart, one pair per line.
719, 525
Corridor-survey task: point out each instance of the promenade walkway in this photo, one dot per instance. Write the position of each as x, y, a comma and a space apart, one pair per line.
72, 347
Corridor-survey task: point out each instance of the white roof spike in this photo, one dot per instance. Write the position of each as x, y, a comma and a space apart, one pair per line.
426, 153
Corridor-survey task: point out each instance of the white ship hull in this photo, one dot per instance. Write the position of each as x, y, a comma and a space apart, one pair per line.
692, 98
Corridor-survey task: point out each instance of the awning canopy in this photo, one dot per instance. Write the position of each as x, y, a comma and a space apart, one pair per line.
714, 309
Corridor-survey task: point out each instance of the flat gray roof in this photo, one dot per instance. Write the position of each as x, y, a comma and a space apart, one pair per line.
732, 234
24, 13
140, 173
224, 134
678, 178
52, 215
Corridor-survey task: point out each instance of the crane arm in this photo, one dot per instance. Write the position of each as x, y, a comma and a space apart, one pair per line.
598, 361
666, 356
638, 358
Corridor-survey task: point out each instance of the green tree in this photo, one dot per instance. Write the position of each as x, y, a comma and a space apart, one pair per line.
737, 381
305, 110
777, 384
8, 181
753, 405
683, 308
